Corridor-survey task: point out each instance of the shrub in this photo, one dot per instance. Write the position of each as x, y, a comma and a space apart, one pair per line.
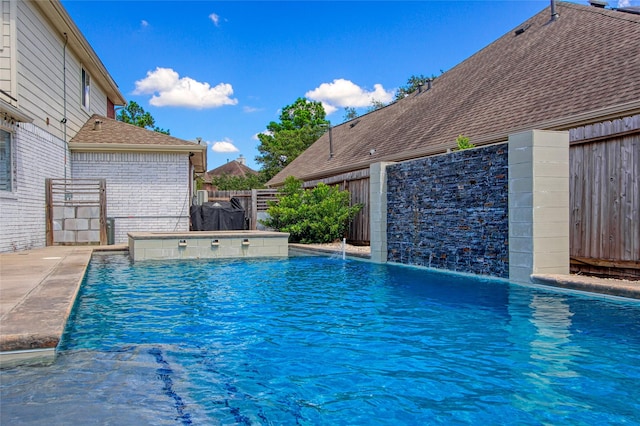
463, 143
318, 215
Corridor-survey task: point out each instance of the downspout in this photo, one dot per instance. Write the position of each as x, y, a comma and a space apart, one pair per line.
64, 102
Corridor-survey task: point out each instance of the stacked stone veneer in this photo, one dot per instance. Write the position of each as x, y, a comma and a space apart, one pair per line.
451, 211
146, 191
76, 225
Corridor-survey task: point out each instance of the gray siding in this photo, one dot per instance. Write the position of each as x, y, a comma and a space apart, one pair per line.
40, 76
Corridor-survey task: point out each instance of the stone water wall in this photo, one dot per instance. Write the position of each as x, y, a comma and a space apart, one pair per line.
451, 211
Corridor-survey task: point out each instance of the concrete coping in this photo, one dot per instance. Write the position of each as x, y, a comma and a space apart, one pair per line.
31, 330
206, 234
608, 286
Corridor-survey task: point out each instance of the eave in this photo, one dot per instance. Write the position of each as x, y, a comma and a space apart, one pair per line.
198, 159
561, 123
11, 112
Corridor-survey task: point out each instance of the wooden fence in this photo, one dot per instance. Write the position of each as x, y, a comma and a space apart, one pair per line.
357, 183
605, 198
253, 201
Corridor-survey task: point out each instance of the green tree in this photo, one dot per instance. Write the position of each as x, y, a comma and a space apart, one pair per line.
228, 182
136, 115
350, 113
375, 104
412, 85
318, 215
301, 124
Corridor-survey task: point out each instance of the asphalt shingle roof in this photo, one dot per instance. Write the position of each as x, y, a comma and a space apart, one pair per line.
116, 132
551, 76
231, 168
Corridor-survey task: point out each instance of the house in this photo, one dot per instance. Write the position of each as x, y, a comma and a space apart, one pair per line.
237, 168
149, 175
53, 84
580, 68
568, 71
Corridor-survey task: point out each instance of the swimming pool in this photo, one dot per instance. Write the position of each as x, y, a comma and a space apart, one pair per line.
318, 340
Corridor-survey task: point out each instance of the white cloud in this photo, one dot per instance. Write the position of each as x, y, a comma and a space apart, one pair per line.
144, 23
343, 93
169, 89
250, 109
224, 146
215, 18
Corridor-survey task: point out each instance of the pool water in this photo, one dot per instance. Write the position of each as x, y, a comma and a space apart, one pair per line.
319, 340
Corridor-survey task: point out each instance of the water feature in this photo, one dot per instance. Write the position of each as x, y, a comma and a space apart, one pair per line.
319, 340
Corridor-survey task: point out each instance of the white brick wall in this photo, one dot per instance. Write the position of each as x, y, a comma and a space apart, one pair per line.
145, 191
38, 155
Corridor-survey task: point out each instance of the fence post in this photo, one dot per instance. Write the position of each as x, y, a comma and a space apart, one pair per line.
254, 209
103, 212
48, 212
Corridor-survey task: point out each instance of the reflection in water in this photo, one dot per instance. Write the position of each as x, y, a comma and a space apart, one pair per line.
541, 331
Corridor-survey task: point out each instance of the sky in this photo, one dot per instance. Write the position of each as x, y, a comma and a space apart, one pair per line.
223, 70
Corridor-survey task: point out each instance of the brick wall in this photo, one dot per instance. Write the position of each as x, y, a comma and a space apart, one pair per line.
38, 155
145, 191
451, 211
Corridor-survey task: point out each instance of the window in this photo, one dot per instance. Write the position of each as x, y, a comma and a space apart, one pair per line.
86, 88
6, 161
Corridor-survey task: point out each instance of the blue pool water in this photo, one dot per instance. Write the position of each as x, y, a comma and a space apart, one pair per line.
318, 340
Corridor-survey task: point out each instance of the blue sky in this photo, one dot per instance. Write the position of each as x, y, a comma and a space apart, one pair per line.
222, 71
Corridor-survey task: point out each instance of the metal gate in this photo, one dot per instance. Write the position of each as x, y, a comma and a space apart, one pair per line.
76, 211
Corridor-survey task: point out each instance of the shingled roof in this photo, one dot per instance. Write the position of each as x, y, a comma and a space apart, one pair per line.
100, 133
581, 68
230, 168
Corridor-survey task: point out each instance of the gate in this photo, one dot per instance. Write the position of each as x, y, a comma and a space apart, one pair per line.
76, 211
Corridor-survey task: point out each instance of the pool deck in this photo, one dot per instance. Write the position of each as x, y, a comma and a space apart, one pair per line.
38, 288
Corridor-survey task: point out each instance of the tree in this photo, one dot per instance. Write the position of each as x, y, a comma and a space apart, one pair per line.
301, 124
318, 215
375, 104
412, 85
227, 182
350, 113
136, 115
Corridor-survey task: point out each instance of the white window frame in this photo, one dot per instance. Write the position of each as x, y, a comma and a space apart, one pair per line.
10, 159
85, 89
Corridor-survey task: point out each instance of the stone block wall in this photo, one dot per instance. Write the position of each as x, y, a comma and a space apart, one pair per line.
76, 225
451, 211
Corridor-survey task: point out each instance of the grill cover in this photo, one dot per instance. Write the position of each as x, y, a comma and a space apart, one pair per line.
218, 216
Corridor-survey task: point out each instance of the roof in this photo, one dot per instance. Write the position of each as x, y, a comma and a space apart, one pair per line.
581, 68
100, 133
231, 168
62, 22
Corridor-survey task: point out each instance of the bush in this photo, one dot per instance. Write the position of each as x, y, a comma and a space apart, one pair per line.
318, 215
